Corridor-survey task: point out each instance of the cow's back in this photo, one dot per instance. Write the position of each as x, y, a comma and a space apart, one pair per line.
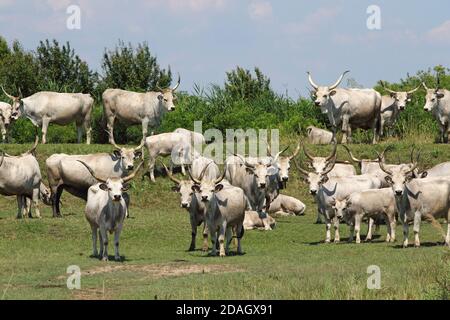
19, 175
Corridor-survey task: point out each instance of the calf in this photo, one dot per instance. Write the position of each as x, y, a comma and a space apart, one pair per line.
371, 204
253, 220
106, 210
286, 205
319, 136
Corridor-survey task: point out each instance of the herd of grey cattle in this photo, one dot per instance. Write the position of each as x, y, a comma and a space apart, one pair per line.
247, 191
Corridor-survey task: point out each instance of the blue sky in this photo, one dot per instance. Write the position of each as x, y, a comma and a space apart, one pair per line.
201, 39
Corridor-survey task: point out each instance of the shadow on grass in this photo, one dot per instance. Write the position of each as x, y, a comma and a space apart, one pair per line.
110, 258
422, 244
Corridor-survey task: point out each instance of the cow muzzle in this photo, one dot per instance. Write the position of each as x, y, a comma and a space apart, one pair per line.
204, 198
398, 192
262, 185
317, 103
313, 192
117, 197
185, 205
130, 167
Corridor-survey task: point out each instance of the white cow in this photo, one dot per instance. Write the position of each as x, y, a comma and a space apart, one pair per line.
106, 209
20, 176
47, 107
437, 101
253, 220
6, 118
286, 205
348, 109
147, 108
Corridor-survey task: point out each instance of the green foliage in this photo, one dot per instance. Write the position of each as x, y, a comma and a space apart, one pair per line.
135, 69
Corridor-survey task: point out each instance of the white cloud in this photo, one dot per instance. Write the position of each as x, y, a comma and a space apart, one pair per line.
191, 5
313, 22
259, 10
440, 34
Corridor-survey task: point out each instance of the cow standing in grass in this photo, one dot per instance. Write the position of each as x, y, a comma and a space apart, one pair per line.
437, 101
106, 209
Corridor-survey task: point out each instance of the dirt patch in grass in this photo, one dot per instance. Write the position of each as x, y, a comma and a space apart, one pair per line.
162, 270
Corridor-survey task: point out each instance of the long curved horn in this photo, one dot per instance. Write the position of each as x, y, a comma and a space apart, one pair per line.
381, 163
92, 172
8, 95
412, 154
178, 84
331, 166
140, 146
351, 155
299, 168
310, 157
202, 174
313, 84
333, 153
334, 86
170, 175
222, 176
3, 158
33, 148
192, 178
425, 86
386, 88
133, 174
247, 164
413, 90
296, 151
114, 142
278, 154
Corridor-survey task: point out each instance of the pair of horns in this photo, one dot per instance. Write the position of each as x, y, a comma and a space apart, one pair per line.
174, 88
332, 87
100, 179
395, 92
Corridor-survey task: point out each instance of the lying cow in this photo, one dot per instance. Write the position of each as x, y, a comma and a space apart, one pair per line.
106, 209
253, 220
319, 136
20, 176
285, 205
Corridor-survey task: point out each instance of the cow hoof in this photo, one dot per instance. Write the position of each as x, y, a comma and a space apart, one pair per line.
337, 240
369, 240
205, 249
191, 249
222, 254
327, 241
117, 259
105, 259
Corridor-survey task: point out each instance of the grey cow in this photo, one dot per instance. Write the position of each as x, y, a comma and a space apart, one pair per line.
437, 101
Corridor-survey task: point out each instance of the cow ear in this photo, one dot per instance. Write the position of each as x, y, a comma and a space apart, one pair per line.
332, 92
218, 187
175, 188
137, 154
424, 174
160, 97
439, 95
196, 188
125, 187
392, 94
103, 186
117, 153
324, 179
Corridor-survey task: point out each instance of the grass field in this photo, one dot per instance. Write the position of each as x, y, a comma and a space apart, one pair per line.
290, 262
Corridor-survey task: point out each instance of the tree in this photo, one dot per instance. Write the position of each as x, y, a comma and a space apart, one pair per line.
134, 69
241, 84
60, 69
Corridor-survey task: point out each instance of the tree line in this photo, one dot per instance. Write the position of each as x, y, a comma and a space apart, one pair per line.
245, 99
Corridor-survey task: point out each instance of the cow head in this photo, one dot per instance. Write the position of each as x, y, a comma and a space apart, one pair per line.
183, 187
398, 176
320, 164
127, 156
260, 170
341, 207
322, 94
6, 115
15, 105
283, 163
114, 186
167, 97
432, 97
315, 179
206, 187
401, 97
45, 194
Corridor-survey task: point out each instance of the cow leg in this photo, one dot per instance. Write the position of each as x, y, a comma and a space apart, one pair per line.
369, 230
144, 128
101, 243
221, 238
345, 130
110, 126
358, 227
239, 234
319, 217
417, 221
205, 237
405, 231
35, 201
3, 130
213, 235
151, 167
193, 233
104, 243
79, 132
447, 238
94, 241
265, 219
116, 242
229, 238
45, 123
337, 237
352, 232
328, 230
88, 129
56, 195
334, 138
19, 207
